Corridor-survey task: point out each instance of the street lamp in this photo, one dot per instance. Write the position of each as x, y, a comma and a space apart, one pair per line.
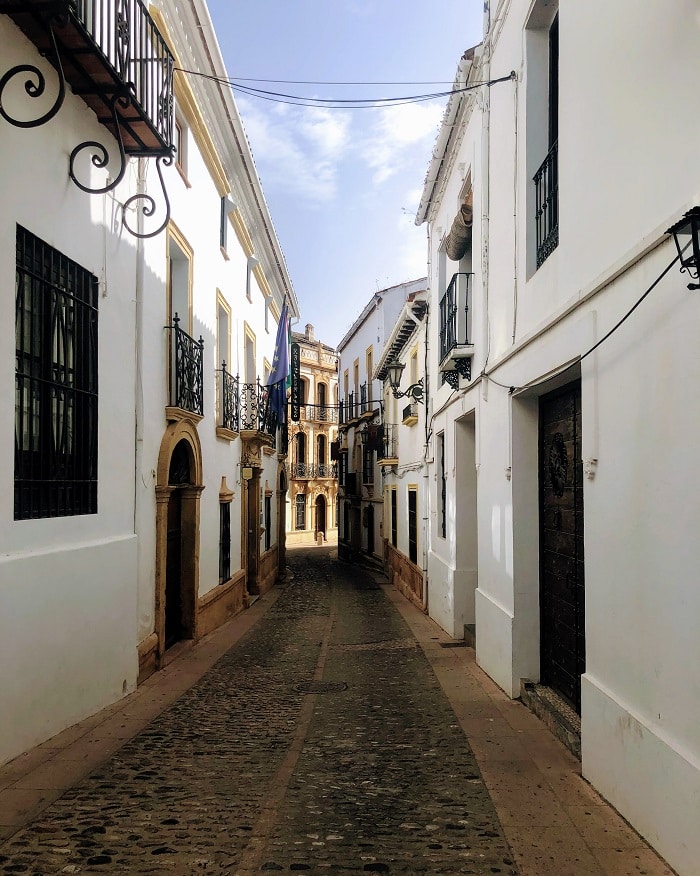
687, 231
394, 371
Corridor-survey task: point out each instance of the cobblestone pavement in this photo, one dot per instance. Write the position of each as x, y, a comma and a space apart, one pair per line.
320, 743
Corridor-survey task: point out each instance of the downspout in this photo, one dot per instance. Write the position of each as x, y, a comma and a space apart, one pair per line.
138, 340
426, 445
485, 194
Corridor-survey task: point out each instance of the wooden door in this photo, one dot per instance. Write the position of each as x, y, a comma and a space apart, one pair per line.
562, 592
173, 571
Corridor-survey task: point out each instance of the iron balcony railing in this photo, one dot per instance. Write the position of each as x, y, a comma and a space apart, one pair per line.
229, 409
547, 206
114, 57
186, 372
320, 413
245, 406
455, 318
364, 404
389, 447
313, 471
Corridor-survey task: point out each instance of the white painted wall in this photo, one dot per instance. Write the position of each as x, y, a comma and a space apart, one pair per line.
67, 585
626, 172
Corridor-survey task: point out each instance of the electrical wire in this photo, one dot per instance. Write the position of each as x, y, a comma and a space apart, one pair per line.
334, 102
602, 340
331, 82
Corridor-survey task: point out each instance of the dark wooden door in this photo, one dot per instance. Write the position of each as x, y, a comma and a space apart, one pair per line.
562, 592
370, 529
252, 514
173, 571
320, 514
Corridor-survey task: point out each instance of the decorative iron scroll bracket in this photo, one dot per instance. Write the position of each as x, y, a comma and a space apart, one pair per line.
100, 158
36, 87
57, 14
148, 206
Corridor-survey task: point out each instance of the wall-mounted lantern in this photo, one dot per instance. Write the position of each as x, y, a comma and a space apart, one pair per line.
687, 232
394, 372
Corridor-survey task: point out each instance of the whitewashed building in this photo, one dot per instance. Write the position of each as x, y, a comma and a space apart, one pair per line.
312, 458
403, 458
562, 347
148, 484
360, 494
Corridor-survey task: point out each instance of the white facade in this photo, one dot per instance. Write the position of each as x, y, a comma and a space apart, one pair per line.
625, 173
404, 458
83, 595
361, 400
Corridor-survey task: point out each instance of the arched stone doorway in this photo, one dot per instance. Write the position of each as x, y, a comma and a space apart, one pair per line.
178, 491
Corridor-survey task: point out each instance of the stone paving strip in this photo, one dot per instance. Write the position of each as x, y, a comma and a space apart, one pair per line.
325, 730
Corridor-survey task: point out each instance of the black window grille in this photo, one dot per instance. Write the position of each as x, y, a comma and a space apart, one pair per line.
224, 542
413, 526
55, 383
443, 485
394, 521
300, 522
367, 465
268, 522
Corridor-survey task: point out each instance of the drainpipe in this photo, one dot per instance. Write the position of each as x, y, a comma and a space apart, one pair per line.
426, 445
485, 196
138, 341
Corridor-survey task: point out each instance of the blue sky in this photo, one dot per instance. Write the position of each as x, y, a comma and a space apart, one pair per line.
343, 185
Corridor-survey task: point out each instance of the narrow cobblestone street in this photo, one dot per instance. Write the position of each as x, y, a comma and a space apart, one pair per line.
322, 741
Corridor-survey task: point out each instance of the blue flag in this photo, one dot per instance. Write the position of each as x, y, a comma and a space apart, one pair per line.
277, 381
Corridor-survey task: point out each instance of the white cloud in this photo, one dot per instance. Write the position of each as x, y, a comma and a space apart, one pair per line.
297, 148
397, 131
412, 248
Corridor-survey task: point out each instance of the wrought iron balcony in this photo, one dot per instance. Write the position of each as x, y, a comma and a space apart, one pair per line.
388, 452
313, 471
245, 407
186, 381
229, 410
456, 347
320, 413
409, 415
547, 206
364, 399
113, 56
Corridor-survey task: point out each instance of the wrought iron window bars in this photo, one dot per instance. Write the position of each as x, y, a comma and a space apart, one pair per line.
547, 206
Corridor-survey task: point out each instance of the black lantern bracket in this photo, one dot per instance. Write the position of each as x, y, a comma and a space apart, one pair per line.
686, 236
394, 371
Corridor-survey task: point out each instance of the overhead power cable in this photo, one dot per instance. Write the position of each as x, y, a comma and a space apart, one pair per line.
335, 102
602, 340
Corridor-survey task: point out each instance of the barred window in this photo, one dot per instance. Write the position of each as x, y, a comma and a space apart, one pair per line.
413, 525
224, 542
300, 522
55, 383
268, 522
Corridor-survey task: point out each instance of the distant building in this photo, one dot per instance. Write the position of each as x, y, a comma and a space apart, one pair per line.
402, 452
362, 419
313, 440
